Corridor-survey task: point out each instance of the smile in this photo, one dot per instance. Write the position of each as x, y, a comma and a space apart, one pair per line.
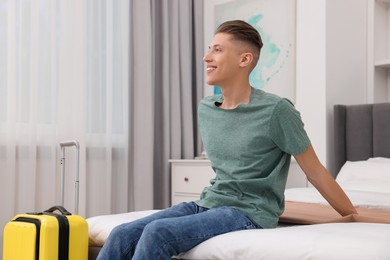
209, 69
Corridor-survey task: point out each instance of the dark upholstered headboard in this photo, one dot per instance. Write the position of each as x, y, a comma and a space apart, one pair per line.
361, 132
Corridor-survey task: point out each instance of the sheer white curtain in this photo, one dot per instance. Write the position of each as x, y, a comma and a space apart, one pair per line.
63, 75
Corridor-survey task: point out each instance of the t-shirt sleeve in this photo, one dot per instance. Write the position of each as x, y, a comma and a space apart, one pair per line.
287, 129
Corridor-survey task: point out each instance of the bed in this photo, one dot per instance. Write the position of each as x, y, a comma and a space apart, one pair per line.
309, 228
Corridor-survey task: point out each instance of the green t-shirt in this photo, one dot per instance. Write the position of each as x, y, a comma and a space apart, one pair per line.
250, 148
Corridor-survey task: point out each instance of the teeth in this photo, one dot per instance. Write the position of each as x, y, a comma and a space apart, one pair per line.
210, 69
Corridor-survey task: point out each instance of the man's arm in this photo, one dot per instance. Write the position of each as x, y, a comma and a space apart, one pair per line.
319, 176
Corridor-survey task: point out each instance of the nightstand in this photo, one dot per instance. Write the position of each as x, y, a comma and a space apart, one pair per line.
189, 177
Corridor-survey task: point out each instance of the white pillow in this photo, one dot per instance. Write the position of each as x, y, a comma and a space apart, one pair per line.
100, 227
380, 160
370, 175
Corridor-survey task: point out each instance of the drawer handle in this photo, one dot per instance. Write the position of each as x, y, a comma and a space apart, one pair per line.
186, 179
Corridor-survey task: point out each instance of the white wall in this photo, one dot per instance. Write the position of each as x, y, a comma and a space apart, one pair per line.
311, 71
331, 65
346, 54
311, 76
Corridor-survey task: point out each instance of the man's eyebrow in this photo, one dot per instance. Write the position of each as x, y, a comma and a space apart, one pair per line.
215, 45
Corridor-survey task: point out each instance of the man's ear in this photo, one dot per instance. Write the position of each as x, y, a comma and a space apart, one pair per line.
246, 59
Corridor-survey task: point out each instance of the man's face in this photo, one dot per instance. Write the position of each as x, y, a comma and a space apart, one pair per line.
222, 60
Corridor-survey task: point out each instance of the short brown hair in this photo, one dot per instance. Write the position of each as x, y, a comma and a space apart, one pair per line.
243, 31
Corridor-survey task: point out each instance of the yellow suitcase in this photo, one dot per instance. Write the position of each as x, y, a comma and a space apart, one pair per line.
46, 236
52, 234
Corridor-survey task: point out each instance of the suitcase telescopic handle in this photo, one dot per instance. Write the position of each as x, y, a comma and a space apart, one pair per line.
63, 145
70, 143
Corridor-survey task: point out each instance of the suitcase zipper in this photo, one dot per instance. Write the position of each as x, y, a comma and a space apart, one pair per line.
37, 224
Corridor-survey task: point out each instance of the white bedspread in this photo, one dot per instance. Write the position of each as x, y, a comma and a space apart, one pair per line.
325, 241
321, 241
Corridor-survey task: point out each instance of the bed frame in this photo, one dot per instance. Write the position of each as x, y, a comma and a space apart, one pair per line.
360, 132
93, 252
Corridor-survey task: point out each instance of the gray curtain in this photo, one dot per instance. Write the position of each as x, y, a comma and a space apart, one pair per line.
166, 85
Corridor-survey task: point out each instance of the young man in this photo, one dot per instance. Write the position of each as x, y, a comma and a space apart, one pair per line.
249, 136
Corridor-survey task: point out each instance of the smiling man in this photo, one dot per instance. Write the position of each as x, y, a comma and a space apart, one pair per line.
249, 136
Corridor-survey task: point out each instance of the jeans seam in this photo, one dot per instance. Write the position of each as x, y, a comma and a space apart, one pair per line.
128, 249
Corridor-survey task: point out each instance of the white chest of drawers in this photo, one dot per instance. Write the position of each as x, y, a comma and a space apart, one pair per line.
189, 177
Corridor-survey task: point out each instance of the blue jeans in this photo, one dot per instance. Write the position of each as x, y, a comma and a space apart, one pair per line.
171, 231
